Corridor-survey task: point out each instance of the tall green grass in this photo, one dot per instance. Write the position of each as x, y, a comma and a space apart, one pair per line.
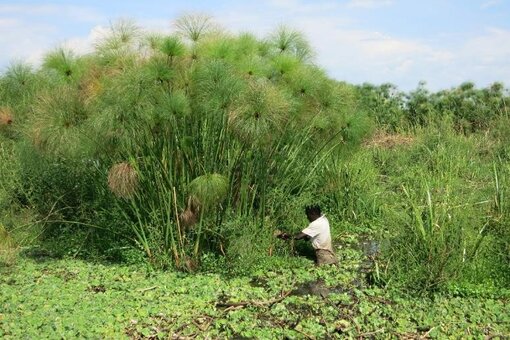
198, 144
166, 138
436, 201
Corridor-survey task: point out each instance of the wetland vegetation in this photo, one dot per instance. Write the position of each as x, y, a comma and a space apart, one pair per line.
141, 186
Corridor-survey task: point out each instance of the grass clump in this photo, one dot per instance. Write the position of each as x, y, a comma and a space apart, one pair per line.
122, 180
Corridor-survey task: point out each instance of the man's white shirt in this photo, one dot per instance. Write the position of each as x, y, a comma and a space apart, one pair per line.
318, 230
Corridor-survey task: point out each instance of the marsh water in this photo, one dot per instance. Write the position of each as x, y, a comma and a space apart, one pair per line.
370, 249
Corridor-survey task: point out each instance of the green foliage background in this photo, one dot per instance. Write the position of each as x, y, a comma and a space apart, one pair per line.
217, 126
228, 137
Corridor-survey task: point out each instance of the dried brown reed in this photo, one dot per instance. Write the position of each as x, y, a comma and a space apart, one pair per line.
6, 116
189, 217
8, 249
385, 140
122, 180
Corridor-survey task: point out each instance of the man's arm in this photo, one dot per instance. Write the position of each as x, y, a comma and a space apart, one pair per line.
301, 235
298, 236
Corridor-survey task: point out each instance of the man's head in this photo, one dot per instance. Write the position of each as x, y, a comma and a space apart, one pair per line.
313, 212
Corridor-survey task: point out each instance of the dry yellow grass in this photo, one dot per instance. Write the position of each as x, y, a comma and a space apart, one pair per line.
8, 249
122, 180
6, 116
189, 217
385, 140
90, 85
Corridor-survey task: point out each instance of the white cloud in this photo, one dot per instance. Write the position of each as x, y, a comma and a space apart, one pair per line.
404, 66
7, 23
490, 3
370, 4
157, 25
29, 43
27, 32
485, 57
76, 13
305, 6
83, 45
378, 45
35, 58
358, 55
346, 51
21, 41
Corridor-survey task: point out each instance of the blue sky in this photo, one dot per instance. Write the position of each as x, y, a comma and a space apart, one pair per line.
402, 42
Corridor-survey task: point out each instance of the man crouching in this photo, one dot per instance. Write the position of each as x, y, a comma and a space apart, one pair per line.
319, 234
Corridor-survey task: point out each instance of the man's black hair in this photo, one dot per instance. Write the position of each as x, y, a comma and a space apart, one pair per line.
314, 209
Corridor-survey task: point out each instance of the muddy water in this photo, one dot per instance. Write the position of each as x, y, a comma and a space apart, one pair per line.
370, 249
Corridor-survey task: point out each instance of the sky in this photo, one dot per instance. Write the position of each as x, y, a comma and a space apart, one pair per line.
403, 42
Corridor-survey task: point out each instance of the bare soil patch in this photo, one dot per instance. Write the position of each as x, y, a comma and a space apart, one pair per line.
385, 140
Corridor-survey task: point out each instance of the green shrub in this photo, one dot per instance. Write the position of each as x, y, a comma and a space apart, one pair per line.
439, 212
199, 127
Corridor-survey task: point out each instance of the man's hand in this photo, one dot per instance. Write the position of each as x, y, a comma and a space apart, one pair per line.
282, 235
